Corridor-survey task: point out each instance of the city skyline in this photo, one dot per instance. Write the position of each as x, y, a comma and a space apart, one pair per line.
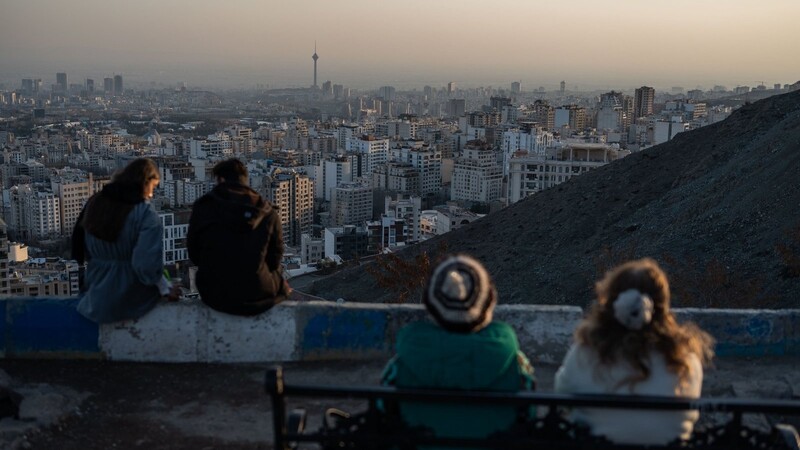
591, 44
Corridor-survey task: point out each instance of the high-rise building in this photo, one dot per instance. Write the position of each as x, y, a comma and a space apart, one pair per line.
331, 173
4, 278
387, 92
338, 91
27, 86
315, 57
544, 114
451, 87
516, 87
73, 190
573, 116
643, 102
118, 89
499, 103
108, 86
372, 152
293, 194
61, 82
351, 204
90, 86
456, 107
476, 175
563, 87
34, 214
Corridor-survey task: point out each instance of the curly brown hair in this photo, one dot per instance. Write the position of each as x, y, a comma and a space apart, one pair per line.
613, 341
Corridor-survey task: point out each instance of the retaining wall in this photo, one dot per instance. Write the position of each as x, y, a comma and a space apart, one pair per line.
292, 331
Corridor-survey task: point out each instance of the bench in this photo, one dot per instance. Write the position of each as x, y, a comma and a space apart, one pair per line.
377, 428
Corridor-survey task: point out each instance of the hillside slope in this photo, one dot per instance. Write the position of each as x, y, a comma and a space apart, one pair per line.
712, 204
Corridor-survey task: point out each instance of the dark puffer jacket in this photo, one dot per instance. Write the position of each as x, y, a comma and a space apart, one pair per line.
236, 241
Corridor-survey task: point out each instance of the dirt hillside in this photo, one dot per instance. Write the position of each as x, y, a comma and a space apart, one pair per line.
714, 205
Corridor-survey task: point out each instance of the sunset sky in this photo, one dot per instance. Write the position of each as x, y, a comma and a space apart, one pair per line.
409, 43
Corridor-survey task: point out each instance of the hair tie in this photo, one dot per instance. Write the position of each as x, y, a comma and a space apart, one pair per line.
633, 309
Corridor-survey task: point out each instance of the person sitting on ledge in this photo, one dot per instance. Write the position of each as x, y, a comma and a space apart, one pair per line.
236, 241
465, 349
631, 344
120, 235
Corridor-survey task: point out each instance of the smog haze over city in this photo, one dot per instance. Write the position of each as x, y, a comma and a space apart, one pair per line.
365, 44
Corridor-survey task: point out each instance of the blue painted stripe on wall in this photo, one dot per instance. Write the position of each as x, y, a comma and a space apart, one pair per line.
353, 330
48, 325
729, 349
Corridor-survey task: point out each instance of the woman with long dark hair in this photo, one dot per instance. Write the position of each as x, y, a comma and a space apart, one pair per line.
120, 235
630, 343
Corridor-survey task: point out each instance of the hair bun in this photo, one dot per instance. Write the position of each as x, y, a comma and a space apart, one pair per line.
633, 309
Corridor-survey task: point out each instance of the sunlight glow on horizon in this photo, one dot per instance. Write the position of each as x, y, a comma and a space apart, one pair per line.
367, 44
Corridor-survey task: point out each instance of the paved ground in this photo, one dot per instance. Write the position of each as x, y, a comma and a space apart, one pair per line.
107, 405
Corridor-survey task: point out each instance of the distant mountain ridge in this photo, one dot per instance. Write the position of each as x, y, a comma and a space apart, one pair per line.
711, 205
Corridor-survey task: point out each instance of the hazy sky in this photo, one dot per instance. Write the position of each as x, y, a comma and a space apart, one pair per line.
408, 43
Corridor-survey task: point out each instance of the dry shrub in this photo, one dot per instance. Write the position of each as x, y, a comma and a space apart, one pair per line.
714, 285
405, 277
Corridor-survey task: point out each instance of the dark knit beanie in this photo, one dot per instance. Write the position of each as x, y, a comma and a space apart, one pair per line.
460, 295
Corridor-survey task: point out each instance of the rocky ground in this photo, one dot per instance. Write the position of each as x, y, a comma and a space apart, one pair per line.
713, 205
107, 405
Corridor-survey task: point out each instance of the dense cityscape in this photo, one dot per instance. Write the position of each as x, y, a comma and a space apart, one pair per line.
359, 224
354, 172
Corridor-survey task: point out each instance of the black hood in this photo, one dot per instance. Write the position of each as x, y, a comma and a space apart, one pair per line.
240, 207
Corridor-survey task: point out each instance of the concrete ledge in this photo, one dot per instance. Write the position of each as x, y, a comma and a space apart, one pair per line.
320, 330
751, 332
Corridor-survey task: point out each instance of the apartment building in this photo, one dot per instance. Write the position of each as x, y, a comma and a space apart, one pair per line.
293, 193
388, 232
311, 249
571, 116
73, 189
4, 272
217, 145
373, 151
176, 228
397, 177
476, 175
449, 218
409, 209
534, 140
351, 204
331, 173
33, 214
532, 173
643, 100
348, 242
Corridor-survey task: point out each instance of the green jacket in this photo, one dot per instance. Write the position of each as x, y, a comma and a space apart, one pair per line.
430, 357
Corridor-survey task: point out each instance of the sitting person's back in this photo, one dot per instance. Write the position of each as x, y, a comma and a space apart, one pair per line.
464, 350
236, 240
630, 344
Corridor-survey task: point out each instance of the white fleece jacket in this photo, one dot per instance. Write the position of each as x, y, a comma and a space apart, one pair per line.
582, 373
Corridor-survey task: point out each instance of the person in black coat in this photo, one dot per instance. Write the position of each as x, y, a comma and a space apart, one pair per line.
235, 239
